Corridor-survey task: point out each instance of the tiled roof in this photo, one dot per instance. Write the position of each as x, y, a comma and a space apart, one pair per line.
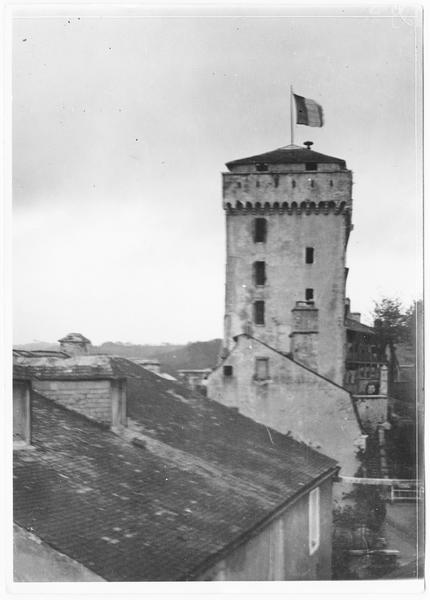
39, 353
283, 156
354, 325
207, 476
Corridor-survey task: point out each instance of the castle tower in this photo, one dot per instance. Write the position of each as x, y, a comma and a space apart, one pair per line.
288, 216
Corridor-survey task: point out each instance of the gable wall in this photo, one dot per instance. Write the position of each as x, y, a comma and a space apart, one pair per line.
293, 400
281, 550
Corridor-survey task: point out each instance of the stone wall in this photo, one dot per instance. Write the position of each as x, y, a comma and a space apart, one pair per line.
287, 277
33, 560
22, 411
93, 398
281, 550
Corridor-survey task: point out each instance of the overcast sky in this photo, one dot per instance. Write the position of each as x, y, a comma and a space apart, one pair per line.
122, 126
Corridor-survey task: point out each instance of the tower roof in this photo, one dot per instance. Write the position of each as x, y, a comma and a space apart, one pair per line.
287, 155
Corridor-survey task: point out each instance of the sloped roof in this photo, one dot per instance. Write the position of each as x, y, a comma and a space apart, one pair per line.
167, 511
287, 155
353, 325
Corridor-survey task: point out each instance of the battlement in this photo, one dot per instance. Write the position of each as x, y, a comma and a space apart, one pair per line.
287, 192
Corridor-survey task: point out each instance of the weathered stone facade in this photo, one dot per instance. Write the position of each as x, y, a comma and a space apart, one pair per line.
304, 212
98, 399
280, 552
291, 399
86, 384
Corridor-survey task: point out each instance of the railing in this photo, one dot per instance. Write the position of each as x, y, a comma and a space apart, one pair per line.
408, 491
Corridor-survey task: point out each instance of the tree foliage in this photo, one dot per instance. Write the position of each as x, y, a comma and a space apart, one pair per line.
394, 324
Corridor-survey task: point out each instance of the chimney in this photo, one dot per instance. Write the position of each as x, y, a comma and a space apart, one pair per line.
304, 336
355, 316
347, 307
75, 344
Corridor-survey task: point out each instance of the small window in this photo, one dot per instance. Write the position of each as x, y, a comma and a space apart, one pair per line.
228, 370
314, 520
293, 183
261, 368
261, 167
331, 182
260, 230
259, 312
311, 166
309, 256
312, 183
260, 272
309, 294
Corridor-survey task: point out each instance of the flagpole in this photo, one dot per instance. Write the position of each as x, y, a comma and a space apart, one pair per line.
291, 115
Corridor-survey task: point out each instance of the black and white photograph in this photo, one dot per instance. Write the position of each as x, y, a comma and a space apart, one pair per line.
215, 234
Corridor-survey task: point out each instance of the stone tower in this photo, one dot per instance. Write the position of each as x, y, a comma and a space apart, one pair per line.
288, 215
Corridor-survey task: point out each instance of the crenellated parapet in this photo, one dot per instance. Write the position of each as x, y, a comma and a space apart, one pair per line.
294, 208
305, 192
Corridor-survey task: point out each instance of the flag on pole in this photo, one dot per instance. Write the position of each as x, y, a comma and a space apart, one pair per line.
308, 112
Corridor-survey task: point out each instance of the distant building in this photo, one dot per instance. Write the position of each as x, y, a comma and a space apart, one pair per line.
288, 217
191, 490
151, 364
75, 344
195, 379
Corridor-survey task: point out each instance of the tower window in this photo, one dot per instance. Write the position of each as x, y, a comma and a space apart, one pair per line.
261, 369
261, 167
260, 272
260, 230
312, 183
309, 294
228, 370
309, 255
259, 312
311, 166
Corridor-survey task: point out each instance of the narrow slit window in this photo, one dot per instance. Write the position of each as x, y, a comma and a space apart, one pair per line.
228, 370
261, 369
293, 183
309, 255
312, 183
310, 166
260, 230
309, 294
259, 312
314, 520
260, 272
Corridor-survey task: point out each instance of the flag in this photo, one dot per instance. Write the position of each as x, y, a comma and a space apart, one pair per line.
308, 112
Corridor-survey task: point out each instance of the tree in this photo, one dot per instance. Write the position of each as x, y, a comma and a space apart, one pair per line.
392, 323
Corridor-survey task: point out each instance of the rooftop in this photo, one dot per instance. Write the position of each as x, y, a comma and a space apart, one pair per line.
54, 366
76, 338
201, 477
353, 325
288, 155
